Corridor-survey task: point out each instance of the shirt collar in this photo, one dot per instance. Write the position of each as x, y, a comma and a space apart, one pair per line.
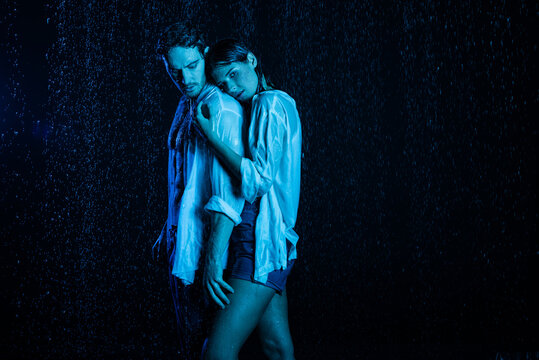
205, 92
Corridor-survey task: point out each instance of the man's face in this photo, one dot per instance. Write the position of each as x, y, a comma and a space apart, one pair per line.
185, 66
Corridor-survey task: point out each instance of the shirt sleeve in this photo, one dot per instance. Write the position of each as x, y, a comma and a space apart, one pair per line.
268, 131
226, 195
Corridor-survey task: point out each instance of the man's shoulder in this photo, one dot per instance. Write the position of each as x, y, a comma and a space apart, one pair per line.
224, 102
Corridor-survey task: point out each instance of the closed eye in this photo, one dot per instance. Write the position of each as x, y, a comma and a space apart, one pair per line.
193, 64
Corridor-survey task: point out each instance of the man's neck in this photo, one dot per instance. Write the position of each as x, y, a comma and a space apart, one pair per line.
200, 96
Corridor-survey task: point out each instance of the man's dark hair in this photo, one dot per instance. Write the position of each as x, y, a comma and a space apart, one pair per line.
179, 34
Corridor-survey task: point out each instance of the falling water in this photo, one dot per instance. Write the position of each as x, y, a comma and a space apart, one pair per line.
417, 205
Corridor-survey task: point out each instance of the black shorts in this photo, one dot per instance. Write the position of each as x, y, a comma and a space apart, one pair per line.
241, 252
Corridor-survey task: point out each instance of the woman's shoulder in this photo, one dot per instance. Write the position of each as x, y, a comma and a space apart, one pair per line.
273, 98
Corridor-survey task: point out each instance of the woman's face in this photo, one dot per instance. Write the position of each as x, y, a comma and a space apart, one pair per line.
238, 79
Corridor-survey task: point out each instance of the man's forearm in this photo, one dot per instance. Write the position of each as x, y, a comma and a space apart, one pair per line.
221, 229
229, 157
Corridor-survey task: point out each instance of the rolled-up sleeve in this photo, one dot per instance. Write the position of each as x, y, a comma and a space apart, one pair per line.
226, 196
217, 204
268, 131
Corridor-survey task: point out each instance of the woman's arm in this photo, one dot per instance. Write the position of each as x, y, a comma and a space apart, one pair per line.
267, 132
229, 157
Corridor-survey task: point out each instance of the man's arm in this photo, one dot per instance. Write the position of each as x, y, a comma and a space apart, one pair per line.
159, 248
230, 158
225, 204
221, 229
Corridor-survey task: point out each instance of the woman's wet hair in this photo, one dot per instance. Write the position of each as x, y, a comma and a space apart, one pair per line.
228, 51
180, 34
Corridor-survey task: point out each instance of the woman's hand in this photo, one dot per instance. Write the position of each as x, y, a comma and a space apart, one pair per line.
204, 120
213, 282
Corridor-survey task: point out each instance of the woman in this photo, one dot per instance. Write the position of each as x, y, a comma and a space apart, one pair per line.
262, 249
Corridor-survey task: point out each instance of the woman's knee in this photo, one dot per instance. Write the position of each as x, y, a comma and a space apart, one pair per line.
278, 349
213, 352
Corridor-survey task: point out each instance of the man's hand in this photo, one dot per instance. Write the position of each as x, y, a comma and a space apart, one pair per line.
213, 282
159, 248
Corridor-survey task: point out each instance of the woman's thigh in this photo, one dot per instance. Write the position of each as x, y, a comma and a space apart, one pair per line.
273, 328
233, 325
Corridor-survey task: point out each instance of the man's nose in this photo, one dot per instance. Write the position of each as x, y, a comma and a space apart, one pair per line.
186, 77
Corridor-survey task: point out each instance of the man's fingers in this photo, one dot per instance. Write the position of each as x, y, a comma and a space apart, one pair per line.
155, 250
214, 297
225, 285
219, 292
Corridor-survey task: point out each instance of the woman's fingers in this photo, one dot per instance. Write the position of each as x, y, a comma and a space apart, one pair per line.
199, 108
203, 118
203, 110
200, 113
200, 120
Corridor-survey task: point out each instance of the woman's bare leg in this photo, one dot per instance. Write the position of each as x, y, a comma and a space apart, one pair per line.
233, 325
273, 330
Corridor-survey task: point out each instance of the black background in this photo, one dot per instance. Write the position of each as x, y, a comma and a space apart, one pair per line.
418, 212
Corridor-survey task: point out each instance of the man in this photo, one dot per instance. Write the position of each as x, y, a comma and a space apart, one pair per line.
196, 182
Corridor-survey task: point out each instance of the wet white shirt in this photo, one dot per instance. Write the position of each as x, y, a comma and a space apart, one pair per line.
206, 185
274, 175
